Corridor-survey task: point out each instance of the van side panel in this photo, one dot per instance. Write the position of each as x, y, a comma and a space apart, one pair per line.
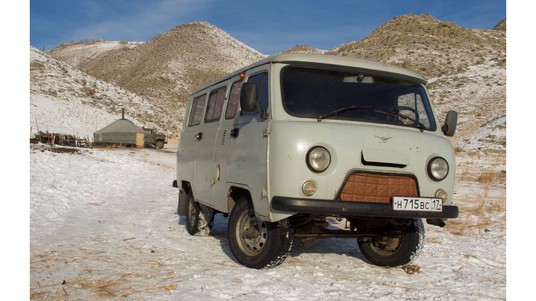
185, 151
247, 165
248, 160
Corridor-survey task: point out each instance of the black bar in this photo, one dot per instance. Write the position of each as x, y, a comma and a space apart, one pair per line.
333, 207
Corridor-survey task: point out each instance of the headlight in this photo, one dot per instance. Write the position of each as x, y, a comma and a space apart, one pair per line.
438, 168
318, 159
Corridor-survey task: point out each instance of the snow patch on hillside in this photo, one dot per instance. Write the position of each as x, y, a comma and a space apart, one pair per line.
476, 94
77, 53
68, 101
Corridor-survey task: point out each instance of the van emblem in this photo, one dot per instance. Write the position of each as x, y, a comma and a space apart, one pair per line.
383, 139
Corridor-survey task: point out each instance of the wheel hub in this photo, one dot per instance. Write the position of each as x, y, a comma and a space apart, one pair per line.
254, 234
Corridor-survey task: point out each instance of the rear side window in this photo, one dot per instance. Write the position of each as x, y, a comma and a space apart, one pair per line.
215, 105
234, 98
197, 110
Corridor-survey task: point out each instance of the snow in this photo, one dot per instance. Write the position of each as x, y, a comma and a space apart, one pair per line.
103, 225
77, 53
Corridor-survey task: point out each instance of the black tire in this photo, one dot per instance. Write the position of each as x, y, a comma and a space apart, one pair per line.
397, 245
199, 218
256, 244
182, 203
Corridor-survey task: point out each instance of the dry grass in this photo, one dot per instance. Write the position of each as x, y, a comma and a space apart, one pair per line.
483, 206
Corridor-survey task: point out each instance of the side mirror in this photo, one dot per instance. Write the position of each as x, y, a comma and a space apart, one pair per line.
248, 97
449, 127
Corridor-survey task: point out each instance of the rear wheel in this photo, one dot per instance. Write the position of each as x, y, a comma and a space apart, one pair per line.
396, 245
199, 218
254, 243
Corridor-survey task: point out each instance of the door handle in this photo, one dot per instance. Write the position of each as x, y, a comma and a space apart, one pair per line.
235, 132
199, 136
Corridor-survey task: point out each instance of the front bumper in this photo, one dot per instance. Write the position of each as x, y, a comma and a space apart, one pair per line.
357, 209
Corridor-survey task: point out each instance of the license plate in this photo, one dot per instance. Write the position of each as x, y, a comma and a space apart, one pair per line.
417, 204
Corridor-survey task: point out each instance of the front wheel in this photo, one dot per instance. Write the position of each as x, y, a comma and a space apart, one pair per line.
254, 243
396, 244
199, 218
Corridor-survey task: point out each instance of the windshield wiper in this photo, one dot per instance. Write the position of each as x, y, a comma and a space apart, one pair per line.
340, 110
417, 123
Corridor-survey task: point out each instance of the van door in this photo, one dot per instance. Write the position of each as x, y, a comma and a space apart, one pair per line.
186, 151
205, 140
247, 163
224, 143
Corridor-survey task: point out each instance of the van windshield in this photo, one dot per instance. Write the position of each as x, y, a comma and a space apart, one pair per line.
354, 96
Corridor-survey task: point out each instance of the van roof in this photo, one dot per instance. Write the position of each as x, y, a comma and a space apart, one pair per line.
330, 60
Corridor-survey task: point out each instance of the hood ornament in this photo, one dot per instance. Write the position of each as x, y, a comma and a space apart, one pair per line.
383, 139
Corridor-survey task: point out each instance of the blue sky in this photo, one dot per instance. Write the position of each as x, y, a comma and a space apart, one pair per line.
267, 26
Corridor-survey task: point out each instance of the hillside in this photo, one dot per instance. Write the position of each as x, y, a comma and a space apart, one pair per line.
301, 48
65, 100
76, 54
428, 46
465, 68
168, 67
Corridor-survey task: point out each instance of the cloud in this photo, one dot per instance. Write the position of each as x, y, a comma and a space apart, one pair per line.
137, 19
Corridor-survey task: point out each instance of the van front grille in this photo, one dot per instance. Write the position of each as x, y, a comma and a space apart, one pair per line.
377, 188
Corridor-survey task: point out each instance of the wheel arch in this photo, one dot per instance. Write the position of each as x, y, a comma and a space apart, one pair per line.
184, 190
235, 193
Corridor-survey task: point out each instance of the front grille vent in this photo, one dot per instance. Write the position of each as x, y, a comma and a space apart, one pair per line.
377, 188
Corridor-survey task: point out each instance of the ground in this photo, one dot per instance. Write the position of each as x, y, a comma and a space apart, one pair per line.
103, 225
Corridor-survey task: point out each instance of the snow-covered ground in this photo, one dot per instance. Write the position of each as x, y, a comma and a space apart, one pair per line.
103, 225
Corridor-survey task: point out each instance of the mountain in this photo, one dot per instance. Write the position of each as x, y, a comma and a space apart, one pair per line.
466, 68
66, 100
301, 48
427, 45
79, 53
501, 25
168, 67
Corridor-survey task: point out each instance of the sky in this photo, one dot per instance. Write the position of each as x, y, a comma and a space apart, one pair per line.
267, 26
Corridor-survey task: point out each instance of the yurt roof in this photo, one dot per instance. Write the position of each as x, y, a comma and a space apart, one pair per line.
122, 126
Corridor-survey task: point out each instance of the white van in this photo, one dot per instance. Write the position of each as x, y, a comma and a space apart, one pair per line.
301, 146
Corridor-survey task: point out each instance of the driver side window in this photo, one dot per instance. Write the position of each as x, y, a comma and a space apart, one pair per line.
261, 81
416, 110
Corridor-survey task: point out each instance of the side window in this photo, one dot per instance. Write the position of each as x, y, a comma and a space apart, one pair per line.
234, 99
197, 110
261, 80
415, 103
215, 105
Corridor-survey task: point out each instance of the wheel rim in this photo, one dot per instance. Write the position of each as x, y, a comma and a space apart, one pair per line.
385, 245
251, 234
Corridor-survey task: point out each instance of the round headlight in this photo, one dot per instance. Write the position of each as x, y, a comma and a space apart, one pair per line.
318, 159
438, 168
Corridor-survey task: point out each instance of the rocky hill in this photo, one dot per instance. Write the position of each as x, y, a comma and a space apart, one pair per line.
301, 48
66, 100
79, 53
466, 68
168, 67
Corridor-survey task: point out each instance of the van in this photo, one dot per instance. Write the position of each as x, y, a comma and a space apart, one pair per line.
303, 146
